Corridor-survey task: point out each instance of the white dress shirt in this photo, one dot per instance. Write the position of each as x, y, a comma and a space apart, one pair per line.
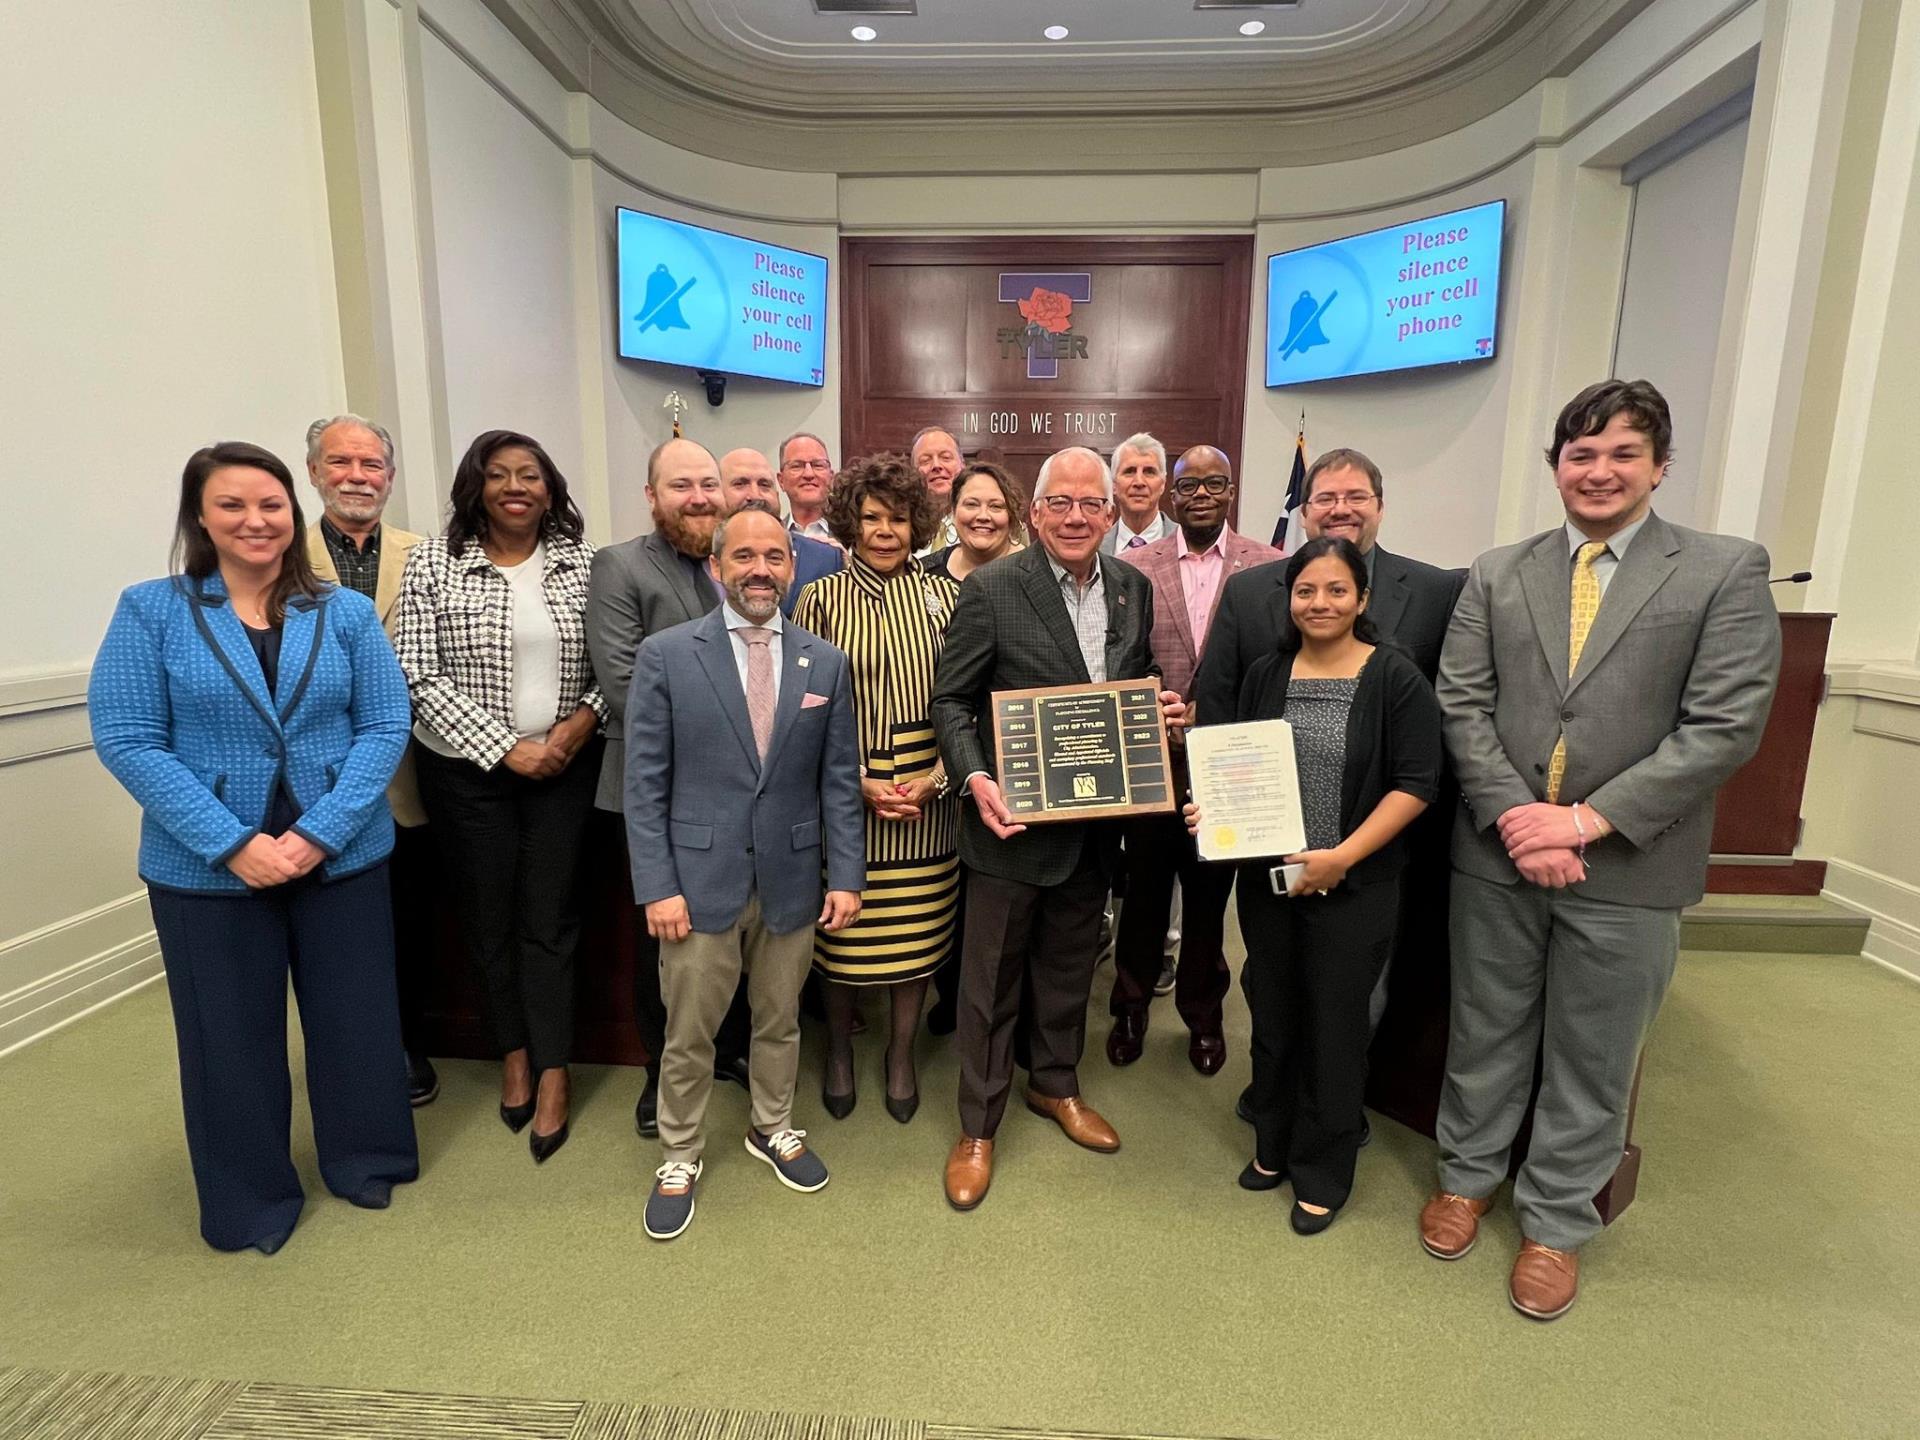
737, 622
1124, 535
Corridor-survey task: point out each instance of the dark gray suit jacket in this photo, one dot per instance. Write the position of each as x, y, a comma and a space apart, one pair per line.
637, 588
1411, 604
1671, 696
708, 820
1011, 631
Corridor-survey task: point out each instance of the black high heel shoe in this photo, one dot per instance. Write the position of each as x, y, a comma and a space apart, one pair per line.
902, 1110
515, 1117
839, 1106
543, 1146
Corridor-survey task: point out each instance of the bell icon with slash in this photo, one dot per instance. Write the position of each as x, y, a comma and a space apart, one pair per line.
660, 309
1303, 323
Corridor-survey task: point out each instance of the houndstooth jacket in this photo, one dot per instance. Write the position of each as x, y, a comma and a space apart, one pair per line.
455, 642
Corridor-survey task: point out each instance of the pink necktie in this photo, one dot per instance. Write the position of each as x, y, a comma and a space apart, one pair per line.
759, 683
1135, 543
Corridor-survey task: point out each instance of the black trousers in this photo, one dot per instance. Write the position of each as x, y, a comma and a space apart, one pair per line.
1159, 851
510, 848
227, 960
1048, 939
412, 872
1311, 965
730, 1042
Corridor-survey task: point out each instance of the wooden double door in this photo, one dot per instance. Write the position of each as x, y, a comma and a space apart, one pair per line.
1021, 347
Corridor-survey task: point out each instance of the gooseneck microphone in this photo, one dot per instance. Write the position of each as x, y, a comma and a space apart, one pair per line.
1798, 577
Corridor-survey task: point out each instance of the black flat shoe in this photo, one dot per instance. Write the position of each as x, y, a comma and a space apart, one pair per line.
515, 1117
377, 1196
839, 1106
1305, 1222
543, 1146
1253, 1178
904, 1110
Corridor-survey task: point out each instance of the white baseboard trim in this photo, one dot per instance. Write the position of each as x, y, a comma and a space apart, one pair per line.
63, 972
1893, 908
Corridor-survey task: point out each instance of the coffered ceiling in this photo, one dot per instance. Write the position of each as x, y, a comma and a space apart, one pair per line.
1131, 83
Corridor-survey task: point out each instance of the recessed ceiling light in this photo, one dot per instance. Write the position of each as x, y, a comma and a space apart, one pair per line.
1252, 27
1056, 32
864, 33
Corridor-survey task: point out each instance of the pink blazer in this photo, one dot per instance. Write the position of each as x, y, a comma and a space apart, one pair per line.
1176, 648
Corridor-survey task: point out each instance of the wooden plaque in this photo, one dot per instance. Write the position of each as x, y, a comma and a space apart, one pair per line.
1082, 752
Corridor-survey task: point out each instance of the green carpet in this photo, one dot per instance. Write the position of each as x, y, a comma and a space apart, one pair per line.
1766, 1282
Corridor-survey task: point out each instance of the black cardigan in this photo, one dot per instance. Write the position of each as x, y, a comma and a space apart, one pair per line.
1393, 742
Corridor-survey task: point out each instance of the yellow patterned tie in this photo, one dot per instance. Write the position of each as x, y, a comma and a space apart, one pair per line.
1586, 604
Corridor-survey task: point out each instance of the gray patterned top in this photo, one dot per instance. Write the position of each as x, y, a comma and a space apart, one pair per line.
1317, 710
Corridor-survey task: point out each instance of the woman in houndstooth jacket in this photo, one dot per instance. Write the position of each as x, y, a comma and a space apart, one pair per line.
492, 639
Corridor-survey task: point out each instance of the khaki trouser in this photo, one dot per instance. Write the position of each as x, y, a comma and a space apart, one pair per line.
698, 976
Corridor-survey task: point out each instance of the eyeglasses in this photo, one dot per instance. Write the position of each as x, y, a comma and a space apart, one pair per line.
808, 465
1194, 484
1357, 500
1091, 506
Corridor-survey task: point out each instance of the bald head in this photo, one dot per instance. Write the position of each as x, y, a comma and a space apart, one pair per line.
1202, 492
746, 479
1203, 457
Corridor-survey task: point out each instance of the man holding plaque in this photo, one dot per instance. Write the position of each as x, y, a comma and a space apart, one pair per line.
1187, 569
1057, 613
1600, 682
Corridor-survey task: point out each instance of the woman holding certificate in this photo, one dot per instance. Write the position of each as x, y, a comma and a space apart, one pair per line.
1367, 746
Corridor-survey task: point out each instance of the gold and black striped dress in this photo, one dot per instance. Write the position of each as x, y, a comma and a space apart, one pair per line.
892, 629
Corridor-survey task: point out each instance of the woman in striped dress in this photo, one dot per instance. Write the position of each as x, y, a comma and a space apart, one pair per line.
891, 618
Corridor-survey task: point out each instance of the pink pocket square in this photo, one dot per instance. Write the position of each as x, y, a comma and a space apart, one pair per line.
810, 700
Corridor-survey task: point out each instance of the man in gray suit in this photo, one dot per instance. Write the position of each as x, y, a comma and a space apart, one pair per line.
638, 588
1599, 683
1056, 613
743, 785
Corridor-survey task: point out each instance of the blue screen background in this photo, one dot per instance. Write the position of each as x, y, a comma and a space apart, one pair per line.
713, 274
1351, 285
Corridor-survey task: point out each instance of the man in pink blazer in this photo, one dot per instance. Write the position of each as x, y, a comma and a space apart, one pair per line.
1188, 569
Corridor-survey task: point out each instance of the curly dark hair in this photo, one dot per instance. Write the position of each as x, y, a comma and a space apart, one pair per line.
1589, 412
889, 478
1010, 491
467, 520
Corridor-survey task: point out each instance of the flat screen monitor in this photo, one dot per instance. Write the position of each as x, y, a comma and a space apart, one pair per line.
714, 301
1423, 293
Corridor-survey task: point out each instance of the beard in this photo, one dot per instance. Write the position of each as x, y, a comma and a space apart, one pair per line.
691, 535
757, 605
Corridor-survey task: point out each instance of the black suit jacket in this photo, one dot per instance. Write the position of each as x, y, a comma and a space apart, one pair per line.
1411, 604
1011, 631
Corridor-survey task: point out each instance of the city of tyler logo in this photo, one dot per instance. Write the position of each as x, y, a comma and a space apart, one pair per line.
1046, 304
1086, 787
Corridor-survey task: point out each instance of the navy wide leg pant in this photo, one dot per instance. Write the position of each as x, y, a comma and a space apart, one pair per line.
227, 959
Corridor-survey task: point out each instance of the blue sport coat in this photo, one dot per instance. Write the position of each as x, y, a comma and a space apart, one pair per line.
812, 559
705, 819
182, 717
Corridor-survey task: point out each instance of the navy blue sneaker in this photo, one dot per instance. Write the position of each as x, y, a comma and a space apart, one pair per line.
670, 1206
798, 1167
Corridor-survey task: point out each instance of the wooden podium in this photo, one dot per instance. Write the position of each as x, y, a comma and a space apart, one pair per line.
1756, 827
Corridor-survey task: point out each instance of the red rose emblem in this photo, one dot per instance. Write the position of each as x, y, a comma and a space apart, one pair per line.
1049, 309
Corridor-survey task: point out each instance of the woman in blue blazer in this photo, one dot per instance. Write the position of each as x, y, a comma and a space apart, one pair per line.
257, 714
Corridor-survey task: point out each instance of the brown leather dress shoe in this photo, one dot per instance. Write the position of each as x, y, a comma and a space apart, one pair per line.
1125, 1040
1079, 1119
1449, 1224
1207, 1051
1544, 1282
969, 1172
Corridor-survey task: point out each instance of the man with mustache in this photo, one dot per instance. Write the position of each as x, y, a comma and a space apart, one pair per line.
350, 462
938, 458
640, 588
1188, 570
747, 483
1139, 482
742, 789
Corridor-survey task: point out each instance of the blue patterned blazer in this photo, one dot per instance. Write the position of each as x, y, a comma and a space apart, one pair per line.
182, 717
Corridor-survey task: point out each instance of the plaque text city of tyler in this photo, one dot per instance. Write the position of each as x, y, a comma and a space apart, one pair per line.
1082, 752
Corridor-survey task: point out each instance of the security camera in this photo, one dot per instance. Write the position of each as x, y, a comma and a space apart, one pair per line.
716, 384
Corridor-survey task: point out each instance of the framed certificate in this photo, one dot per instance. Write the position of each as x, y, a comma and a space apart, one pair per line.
1247, 786
1082, 752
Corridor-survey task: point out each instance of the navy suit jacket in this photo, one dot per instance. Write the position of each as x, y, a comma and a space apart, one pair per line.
705, 818
811, 560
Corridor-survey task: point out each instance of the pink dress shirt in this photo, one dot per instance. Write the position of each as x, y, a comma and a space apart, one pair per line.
1200, 573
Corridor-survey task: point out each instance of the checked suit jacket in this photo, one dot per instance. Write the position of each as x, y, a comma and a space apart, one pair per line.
1011, 631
